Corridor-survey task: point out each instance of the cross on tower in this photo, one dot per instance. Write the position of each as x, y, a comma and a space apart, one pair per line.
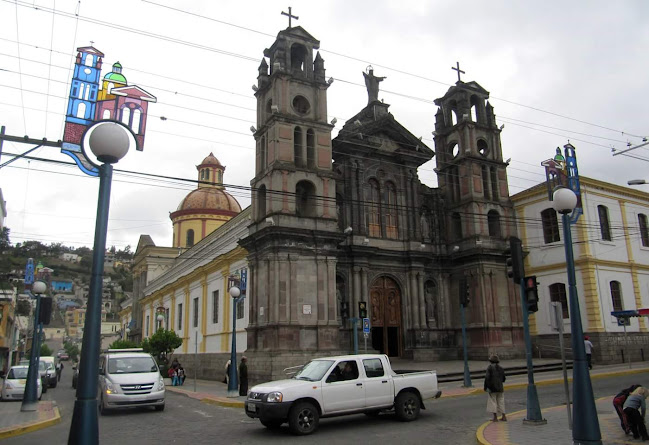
459, 71
290, 16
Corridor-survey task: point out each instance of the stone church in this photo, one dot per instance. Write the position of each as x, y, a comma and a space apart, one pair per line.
343, 222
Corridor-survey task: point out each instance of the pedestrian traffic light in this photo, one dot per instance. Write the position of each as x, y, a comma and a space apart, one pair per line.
463, 288
531, 294
514, 262
344, 310
45, 311
362, 309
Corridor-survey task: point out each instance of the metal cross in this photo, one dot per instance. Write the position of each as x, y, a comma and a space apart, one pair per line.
290, 16
459, 71
92, 42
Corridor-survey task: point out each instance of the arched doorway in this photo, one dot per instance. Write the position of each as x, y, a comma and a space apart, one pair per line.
385, 301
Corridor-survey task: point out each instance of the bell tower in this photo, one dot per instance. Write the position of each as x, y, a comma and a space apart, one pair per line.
293, 235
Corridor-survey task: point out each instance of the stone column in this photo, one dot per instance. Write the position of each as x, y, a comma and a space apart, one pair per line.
413, 300
422, 302
356, 293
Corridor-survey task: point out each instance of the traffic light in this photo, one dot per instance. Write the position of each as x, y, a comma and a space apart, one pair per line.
344, 310
514, 262
463, 288
45, 311
362, 309
531, 294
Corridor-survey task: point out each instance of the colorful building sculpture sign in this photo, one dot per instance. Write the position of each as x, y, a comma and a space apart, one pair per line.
562, 171
90, 102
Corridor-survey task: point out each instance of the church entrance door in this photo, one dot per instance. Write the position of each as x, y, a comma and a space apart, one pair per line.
385, 304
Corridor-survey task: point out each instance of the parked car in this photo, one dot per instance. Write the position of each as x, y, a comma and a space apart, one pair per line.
51, 371
334, 386
45, 374
13, 385
129, 378
62, 355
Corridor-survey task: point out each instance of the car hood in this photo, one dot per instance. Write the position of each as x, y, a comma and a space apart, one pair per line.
282, 385
134, 378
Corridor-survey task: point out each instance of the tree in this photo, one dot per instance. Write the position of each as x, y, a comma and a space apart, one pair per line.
23, 307
123, 344
161, 344
45, 350
72, 350
4, 239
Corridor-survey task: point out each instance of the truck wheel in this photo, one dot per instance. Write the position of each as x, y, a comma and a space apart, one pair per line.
272, 424
303, 419
407, 406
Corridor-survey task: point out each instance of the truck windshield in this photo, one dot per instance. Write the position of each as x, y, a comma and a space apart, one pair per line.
130, 365
314, 370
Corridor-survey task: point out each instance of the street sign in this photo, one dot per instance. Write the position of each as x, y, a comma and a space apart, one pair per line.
624, 321
366, 325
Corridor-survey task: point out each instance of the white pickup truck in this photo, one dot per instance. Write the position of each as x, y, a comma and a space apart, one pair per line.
335, 386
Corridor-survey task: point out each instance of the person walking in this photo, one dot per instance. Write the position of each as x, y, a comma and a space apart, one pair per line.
618, 404
243, 376
226, 379
634, 409
181, 374
589, 351
493, 385
59, 370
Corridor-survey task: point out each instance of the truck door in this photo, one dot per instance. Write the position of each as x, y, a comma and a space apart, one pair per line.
343, 389
378, 385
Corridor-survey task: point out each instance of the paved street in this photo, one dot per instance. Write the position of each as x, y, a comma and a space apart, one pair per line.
186, 420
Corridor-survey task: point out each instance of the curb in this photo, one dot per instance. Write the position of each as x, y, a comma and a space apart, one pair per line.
594, 376
33, 426
226, 403
479, 434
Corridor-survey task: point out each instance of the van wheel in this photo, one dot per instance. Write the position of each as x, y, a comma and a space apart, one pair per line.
160, 407
407, 406
303, 419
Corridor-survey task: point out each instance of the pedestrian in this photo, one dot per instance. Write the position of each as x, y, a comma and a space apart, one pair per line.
618, 404
589, 351
175, 363
181, 374
226, 379
59, 370
493, 384
635, 408
173, 375
243, 376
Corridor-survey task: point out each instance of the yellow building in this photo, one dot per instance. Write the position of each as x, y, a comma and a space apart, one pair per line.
7, 316
205, 209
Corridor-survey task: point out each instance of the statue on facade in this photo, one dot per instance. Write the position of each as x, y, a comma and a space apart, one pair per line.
372, 85
430, 298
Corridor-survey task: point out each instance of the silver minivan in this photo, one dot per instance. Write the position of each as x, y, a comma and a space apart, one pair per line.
129, 378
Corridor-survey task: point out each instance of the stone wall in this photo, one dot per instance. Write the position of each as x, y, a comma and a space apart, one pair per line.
608, 347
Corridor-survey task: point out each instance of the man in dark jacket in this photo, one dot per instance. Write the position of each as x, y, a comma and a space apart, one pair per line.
493, 384
243, 376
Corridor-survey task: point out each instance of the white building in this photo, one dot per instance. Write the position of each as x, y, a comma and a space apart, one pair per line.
611, 253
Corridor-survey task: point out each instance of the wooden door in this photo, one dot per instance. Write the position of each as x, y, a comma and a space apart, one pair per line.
385, 306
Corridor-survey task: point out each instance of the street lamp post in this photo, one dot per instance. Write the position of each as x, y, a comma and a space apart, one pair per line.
233, 385
109, 141
585, 421
30, 398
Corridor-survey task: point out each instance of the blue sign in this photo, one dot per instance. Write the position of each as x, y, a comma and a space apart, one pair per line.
366, 325
244, 280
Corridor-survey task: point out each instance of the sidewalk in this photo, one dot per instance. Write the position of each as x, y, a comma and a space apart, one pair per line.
14, 422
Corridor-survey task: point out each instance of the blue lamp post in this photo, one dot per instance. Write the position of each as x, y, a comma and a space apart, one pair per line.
585, 428
30, 399
233, 385
109, 142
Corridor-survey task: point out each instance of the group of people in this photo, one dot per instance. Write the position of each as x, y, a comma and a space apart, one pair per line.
630, 406
176, 373
243, 375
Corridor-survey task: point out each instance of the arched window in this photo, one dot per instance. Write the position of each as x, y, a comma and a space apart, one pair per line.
550, 226
261, 202
137, 118
494, 183
82, 88
616, 296
86, 96
110, 87
558, 294
88, 60
482, 146
126, 115
310, 148
340, 212
262, 153
305, 204
476, 112
298, 56
456, 225
391, 214
493, 221
374, 208
298, 156
604, 223
190, 238
485, 181
81, 110
453, 112
644, 230
106, 114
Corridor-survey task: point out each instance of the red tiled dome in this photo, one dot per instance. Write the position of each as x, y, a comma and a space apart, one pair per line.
209, 198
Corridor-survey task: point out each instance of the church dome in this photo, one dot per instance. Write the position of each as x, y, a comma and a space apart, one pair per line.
211, 160
209, 199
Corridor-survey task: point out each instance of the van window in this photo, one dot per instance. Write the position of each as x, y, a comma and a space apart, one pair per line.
373, 367
131, 365
347, 370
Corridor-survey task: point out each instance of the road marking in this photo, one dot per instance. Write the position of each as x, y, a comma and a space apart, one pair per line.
202, 413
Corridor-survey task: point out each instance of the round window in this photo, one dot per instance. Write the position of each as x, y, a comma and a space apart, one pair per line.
301, 105
454, 149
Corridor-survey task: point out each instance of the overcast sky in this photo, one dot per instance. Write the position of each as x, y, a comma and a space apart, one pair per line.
556, 71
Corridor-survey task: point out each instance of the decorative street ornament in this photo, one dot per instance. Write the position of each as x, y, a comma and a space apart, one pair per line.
89, 103
562, 171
